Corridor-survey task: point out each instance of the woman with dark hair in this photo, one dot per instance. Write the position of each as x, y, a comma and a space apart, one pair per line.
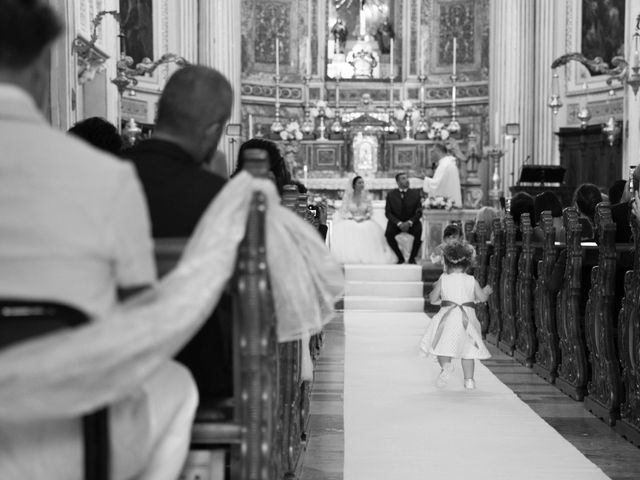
99, 133
278, 171
356, 237
585, 199
521, 203
548, 201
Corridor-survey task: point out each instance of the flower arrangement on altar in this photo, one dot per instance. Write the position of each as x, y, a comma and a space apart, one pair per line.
406, 108
438, 203
321, 108
292, 132
438, 131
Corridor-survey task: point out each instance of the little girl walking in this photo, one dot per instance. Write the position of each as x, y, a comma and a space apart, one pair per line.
454, 332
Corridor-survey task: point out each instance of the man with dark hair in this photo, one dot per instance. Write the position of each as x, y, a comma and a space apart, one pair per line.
99, 133
192, 113
403, 210
74, 230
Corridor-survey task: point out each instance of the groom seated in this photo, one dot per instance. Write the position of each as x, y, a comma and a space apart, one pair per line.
404, 211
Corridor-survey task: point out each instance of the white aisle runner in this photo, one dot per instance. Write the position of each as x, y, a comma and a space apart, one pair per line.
398, 425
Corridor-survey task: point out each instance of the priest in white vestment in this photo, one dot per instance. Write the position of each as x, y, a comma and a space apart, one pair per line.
446, 178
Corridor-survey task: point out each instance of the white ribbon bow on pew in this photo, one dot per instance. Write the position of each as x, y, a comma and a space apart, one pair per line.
65, 374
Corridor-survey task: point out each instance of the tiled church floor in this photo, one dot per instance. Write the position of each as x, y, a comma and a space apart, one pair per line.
324, 458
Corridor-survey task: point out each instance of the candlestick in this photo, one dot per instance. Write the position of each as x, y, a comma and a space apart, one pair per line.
391, 69
455, 48
363, 25
309, 38
277, 57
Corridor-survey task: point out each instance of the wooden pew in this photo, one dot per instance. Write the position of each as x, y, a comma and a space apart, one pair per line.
526, 342
259, 429
605, 388
493, 279
629, 346
547, 356
507, 339
481, 270
573, 371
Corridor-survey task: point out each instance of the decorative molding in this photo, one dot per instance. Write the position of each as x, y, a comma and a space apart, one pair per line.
600, 111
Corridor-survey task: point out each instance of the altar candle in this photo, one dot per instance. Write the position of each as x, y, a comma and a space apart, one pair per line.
305, 169
391, 72
420, 53
455, 53
496, 134
250, 126
277, 57
309, 38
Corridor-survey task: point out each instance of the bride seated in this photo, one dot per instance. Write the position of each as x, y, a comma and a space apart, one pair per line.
356, 237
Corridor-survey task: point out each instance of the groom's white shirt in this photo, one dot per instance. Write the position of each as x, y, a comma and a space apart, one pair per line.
445, 181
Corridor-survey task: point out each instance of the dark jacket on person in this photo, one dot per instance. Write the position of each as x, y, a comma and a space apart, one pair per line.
620, 215
398, 209
178, 190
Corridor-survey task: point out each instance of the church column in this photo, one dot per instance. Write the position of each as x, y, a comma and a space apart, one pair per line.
545, 148
220, 41
631, 132
511, 82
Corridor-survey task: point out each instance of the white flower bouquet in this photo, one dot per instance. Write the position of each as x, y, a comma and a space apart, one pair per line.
438, 131
321, 108
292, 132
438, 203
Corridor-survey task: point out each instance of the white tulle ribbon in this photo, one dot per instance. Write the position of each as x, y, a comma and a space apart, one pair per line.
65, 374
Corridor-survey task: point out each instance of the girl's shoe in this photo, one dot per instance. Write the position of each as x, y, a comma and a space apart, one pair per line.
445, 373
469, 383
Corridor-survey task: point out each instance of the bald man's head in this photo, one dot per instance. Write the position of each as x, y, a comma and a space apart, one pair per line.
195, 106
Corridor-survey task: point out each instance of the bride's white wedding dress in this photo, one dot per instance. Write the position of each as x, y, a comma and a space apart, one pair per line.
356, 237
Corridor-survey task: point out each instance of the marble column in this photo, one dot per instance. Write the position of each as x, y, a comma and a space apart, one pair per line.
545, 147
631, 132
219, 47
511, 97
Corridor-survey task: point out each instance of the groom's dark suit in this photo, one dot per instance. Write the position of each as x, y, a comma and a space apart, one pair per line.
403, 207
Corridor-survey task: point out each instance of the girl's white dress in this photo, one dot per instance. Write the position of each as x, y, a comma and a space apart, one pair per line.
455, 330
359, 241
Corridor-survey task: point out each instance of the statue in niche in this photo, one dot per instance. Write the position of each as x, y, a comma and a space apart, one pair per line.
363, 61
383, 36
339, 32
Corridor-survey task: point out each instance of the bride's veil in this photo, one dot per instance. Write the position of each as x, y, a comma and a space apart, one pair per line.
347, 197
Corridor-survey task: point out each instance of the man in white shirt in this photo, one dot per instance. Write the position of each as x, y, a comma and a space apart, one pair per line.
74, 229
446, 178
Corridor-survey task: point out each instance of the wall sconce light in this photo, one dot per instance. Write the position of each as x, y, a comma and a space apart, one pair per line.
611, 129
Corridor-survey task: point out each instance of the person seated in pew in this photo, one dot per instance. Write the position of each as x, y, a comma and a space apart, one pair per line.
585, 199
193, 109
487, 215
548, 201
521, 203
617, 191
621, 211
74, 229
99, 133
278, 172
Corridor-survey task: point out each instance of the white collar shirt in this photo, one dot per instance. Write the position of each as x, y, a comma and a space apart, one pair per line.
74, 225
445, 181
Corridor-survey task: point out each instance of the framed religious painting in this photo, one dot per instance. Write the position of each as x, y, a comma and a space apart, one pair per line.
596, 29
